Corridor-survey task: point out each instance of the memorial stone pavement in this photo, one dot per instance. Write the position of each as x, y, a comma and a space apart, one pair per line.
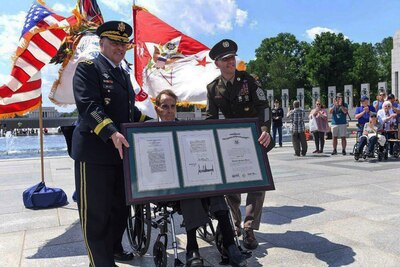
326, 211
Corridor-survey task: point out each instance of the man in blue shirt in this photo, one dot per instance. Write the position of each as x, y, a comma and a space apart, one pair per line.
362, 113
339, 122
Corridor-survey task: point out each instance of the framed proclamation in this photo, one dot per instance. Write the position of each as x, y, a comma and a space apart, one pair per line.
193, 159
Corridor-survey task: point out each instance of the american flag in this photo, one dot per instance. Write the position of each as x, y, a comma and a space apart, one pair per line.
41, 37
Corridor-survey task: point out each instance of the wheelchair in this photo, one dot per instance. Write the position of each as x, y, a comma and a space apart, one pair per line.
380, 151
145, 217
142, 219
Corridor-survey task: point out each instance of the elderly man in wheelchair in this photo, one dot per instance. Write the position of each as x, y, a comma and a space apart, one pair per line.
195, 212
371, 138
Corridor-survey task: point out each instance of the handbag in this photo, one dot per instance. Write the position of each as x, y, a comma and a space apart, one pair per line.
40, 196
313, 124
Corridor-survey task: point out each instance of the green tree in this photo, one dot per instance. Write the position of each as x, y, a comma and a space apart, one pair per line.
329, 61
365, 68
384, 56
278, 63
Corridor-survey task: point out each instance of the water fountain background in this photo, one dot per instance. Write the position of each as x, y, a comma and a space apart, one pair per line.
28, 146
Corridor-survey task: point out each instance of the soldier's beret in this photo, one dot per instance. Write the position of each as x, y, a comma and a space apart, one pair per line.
223, 48
118, 31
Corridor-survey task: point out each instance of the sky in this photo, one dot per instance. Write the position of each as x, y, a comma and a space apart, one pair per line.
247, 22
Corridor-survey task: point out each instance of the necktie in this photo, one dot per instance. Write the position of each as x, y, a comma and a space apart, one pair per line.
229, 85
121, 73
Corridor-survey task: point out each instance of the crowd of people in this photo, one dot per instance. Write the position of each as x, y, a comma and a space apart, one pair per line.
383, 115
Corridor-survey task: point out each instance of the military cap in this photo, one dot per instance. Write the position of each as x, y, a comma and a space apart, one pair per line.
223, 48
118, 31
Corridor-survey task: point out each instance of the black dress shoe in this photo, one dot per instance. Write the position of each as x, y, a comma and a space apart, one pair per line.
123, 256
193, 259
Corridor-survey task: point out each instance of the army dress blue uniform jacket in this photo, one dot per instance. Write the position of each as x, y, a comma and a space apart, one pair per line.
105, 98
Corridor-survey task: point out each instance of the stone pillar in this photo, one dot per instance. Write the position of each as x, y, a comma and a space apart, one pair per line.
316, 94
365, 90
348, 95
285, 100
382, 86
270, 97
331, 94
197, 113
300, 96
396, 64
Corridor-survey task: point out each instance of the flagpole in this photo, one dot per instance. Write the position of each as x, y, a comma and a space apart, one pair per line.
41, 141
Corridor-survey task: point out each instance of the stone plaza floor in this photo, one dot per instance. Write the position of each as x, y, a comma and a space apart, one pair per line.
326, 211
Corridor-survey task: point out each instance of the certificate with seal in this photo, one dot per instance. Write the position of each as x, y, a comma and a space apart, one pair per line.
239, 155
193, 159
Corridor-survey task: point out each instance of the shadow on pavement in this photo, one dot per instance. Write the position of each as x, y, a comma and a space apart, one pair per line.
332, 254
286, 214
70, 243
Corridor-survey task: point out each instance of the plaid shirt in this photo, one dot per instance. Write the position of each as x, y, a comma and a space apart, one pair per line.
297, 117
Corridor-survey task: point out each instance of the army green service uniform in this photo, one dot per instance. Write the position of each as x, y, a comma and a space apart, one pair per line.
244, 98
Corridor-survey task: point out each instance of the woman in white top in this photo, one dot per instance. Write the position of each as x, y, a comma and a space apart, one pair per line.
370, 136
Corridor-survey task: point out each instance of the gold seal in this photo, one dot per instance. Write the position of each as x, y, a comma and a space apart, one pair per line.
121, 27
225, 44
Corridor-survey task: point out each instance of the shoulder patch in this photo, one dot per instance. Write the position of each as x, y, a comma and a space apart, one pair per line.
260, 94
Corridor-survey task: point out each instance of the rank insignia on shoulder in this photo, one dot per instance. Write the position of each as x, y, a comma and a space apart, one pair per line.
107, 101
89, 62
260, 94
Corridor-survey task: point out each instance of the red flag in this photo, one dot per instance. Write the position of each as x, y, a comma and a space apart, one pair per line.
165, 58
40, 39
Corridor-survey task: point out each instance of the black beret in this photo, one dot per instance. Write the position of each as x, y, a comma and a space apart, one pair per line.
118, 31
223, 49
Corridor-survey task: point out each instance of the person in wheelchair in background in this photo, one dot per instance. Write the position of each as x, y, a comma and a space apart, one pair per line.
370, 136
195, 212
388, 118
362, 114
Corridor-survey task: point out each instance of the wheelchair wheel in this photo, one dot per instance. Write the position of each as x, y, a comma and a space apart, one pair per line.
356, 155
206, 232
160, 253
139, 228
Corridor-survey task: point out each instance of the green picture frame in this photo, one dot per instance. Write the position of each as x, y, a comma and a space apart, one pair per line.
168, 161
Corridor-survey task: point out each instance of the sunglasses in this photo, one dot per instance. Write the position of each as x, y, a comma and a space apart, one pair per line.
318, 104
